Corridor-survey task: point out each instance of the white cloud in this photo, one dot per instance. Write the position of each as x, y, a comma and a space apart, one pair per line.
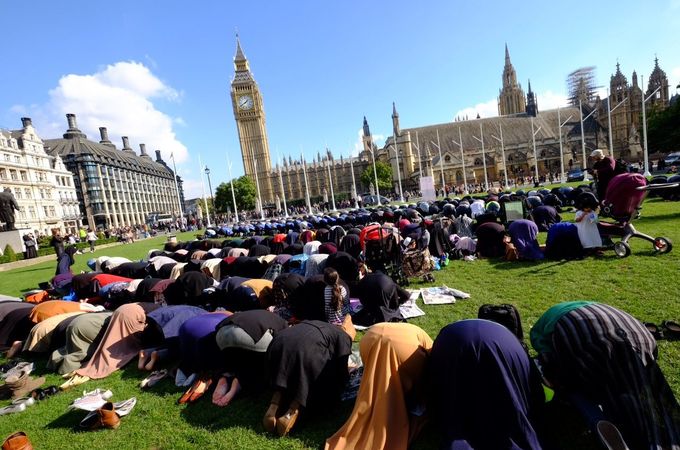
378, 139
486, 109
118, 97
674, 78
546, 100
551, 100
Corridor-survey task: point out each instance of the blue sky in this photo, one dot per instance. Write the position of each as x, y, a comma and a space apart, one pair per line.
159, 72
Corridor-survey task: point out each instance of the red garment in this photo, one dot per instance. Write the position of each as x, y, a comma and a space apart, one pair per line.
279, 238
105, 278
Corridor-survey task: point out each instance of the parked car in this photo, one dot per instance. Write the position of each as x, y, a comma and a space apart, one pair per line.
673, 159
373, 200
576, 174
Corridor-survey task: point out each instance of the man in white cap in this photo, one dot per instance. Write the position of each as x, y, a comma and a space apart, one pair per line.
603, 171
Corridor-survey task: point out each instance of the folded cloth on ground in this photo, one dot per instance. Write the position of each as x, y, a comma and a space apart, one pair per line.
91, 401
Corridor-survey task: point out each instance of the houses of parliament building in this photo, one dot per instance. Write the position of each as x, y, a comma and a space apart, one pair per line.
451, 152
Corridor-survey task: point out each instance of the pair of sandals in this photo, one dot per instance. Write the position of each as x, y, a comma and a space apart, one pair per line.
668, 330
196, 391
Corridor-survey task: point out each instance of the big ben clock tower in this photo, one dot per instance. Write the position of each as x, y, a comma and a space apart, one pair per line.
250, 122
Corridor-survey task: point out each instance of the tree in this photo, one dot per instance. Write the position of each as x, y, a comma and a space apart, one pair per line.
384, 172
244, 190
663, 129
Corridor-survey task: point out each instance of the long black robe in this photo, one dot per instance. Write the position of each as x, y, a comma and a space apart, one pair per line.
308, 361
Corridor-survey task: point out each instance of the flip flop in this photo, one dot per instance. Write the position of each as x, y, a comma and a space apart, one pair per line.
153, 379
202, 387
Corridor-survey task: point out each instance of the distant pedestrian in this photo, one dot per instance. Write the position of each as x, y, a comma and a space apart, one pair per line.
31, 244
91, 239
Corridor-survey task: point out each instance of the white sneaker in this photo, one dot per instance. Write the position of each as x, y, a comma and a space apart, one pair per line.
13, 409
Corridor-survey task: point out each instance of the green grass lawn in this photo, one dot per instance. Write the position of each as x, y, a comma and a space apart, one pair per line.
644, 284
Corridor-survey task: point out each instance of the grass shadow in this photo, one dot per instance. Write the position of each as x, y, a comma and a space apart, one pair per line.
69, 420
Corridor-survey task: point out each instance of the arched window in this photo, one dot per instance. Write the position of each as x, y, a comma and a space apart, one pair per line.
478, 161
459, 176
447, 159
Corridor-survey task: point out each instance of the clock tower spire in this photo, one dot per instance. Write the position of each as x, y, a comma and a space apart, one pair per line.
248, 109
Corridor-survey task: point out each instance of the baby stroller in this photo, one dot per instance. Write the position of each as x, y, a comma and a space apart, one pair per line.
622, 203
415, 258
381, 249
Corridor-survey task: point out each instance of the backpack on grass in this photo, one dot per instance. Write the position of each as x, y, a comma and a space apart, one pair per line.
504, 314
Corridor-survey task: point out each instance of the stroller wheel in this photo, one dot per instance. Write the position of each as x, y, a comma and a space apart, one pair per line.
663, 245
622, 249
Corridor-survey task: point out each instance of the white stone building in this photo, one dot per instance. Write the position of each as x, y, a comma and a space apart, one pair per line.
41, 184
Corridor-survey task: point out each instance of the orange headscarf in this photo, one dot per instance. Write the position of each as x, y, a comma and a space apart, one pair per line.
394, 356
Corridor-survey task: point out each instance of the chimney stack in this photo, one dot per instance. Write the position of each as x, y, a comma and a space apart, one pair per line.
142, 148
72, 124
159, 158
104, 133
73, 130
26, 122
126, 143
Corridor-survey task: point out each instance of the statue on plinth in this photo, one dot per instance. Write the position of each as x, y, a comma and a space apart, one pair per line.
8, 205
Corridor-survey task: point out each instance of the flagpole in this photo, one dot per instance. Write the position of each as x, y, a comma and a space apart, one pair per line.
330, 181
179, 198
354, 183
283, 192
304, 173
257, 182
205, 202
233, 195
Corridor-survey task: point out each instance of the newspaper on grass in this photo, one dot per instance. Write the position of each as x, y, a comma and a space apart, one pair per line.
409, 309
442, 295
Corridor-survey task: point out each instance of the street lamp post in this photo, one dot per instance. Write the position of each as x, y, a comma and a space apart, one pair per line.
205, 202
179, 199
212, 199
233, 195
304, 173
644, 125
375, 174
259, 194
354, 183
283, 192
610, 110
330, 181
559, 127
500, 139
583, 137
481, 140
462, 159
396, 154
533, 140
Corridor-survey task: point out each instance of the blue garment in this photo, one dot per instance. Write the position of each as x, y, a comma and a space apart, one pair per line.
563, 242
484, 392
523, 234
171, 318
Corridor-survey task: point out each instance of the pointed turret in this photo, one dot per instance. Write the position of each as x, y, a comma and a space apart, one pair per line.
658, 79
532, 104
395, 120
511, 99
367, 130
241, 64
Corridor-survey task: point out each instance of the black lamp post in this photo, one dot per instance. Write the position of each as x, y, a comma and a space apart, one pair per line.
212, 199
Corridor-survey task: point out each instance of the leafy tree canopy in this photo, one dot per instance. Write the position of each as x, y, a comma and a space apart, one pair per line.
384, 172
245, 192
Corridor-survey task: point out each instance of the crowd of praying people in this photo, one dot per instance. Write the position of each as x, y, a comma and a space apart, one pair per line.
278, 312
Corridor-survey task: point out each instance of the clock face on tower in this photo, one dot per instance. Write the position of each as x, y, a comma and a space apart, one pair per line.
245, 102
